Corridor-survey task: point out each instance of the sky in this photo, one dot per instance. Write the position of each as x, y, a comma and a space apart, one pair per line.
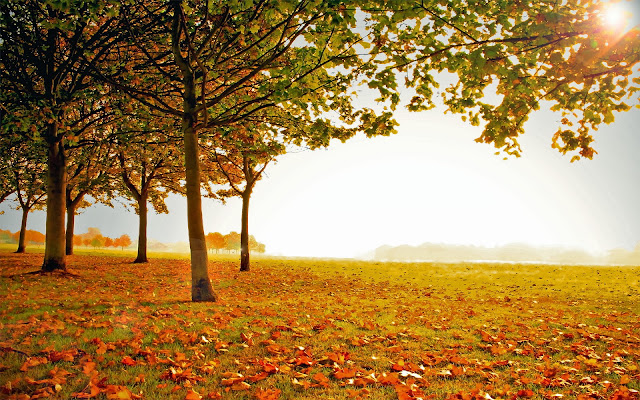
430, 182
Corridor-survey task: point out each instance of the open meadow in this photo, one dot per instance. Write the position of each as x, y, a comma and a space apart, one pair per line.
317, 329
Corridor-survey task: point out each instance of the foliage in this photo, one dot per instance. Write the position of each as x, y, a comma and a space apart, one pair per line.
256, 246
507, 60
321, 329
23, 173
6, 236
31, 236
215, 241
232, 241
122, 241
48, 50
94, 238
149, 168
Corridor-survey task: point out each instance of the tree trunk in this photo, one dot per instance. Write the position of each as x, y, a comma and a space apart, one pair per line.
244, 232
71, 221
54, 252
23, 231
201, 289
72, 204
142, 230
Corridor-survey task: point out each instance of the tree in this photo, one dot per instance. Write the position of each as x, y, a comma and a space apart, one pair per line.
232, 241
46, 48
122, 242
215, 240
6, 188
77, 240
241, 155
150, 170
97, 241
256, 246
89, 171
25, 178
30, 236
224, 62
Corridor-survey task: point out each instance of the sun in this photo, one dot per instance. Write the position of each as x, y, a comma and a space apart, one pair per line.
614, 16
617, 16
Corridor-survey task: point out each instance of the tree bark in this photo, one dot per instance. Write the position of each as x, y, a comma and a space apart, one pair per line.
201, 289
54, 252
71, 221
244, 232
23, 231
142, 230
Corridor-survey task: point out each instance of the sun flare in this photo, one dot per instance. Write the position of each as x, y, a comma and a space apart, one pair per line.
617, 16
614, 15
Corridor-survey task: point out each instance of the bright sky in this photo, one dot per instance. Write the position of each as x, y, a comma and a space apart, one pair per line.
429, 183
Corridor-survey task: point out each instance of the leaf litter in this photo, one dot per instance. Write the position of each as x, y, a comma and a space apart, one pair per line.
293, 329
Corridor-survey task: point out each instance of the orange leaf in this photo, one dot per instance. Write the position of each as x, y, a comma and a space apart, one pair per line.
321, 379
102, 348
345, 373
117, 392
192, 395
238, 386
128, 361
33, 362
258, 377
268, 394
95, 391
88, 367
246, 338
525, 393
355, 393
62, 355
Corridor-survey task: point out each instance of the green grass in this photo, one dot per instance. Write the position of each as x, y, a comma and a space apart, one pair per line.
422, 330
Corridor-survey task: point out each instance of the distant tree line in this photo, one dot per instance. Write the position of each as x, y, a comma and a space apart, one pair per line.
30, 236
231, 242
513, 252
93, 238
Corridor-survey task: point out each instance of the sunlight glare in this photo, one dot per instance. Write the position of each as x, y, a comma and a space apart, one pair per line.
618, 16
614, 15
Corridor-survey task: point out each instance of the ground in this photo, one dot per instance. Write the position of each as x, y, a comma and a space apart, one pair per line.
327, 329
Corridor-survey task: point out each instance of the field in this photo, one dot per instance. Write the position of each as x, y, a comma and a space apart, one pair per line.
318, 329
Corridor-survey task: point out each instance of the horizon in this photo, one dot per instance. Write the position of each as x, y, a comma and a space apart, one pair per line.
331, 203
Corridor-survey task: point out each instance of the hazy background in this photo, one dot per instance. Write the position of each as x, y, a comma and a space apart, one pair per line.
429, 183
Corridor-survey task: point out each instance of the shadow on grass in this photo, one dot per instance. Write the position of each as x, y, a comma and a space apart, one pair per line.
59, 273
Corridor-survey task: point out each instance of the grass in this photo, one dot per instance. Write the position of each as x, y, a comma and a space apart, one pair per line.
307, 329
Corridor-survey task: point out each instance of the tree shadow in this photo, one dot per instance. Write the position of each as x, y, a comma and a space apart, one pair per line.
60, 273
